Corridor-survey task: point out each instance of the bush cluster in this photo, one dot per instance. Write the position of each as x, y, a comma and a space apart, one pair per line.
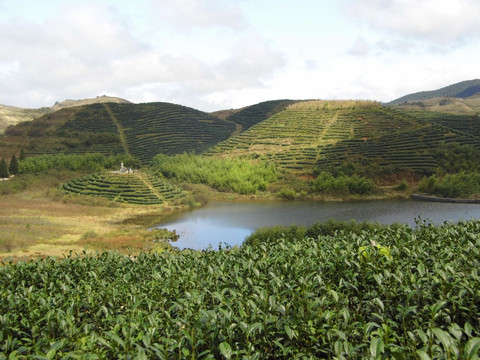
84, 162
342, 184
322, 228
461, 185
240, 176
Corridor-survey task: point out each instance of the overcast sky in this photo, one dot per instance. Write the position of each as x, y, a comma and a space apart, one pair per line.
219, 54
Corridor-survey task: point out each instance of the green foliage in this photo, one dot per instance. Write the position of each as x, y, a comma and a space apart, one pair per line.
13, 167
85, 162
332, 227
22, 155
323, 228
227, 174
402, 186
4, 169
342, 184
272, 234
459, 185
306, 297
453, 157
287, 194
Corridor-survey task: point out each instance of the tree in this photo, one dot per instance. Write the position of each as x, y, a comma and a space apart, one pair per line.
13, 168
4, 169
22, 155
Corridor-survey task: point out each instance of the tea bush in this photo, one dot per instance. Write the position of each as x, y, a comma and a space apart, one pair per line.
303, 298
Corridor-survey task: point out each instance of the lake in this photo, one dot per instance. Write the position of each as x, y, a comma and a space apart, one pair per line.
229, 223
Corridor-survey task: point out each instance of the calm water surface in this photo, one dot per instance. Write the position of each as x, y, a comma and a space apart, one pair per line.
230, 222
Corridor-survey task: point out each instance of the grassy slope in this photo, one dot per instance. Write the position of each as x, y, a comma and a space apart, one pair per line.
10, 115
43, 220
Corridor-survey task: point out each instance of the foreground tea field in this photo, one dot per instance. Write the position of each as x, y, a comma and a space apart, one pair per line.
291, 298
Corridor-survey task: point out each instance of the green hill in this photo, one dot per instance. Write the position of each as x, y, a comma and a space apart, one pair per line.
142, 130
462, 90
10, 115
354, 137
299, 137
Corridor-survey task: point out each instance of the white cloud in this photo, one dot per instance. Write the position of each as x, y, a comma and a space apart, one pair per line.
87, 50
440, 22
360, 47
188, 14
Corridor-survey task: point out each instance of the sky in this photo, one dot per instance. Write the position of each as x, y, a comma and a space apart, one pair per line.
222, 54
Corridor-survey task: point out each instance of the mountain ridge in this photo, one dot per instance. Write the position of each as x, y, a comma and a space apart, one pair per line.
462, 89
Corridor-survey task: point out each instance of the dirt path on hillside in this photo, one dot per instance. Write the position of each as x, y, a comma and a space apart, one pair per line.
150, 186
121, 133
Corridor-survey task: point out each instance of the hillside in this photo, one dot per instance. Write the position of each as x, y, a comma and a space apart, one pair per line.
251, 115
142, 130
354, 137
452, 105
463, 89
132, 188
10, 115
299, 137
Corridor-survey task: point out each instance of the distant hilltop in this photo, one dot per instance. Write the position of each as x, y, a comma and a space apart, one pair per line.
99, 99
10, 115
462, 90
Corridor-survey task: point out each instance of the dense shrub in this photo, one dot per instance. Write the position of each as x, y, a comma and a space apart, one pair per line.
322, 228
85, 162
227, 174
454, 157
458, 185
342, 184
271, 234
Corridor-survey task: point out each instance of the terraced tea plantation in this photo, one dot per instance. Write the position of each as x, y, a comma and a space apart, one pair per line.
317, 135
293, 298
142, 130
155, 128
254, 114
295, 138
409, 150
134, 188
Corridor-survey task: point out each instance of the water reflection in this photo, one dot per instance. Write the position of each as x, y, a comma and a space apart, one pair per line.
231, 222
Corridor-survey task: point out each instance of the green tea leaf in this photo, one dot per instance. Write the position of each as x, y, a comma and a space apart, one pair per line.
226, 350
472, 348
